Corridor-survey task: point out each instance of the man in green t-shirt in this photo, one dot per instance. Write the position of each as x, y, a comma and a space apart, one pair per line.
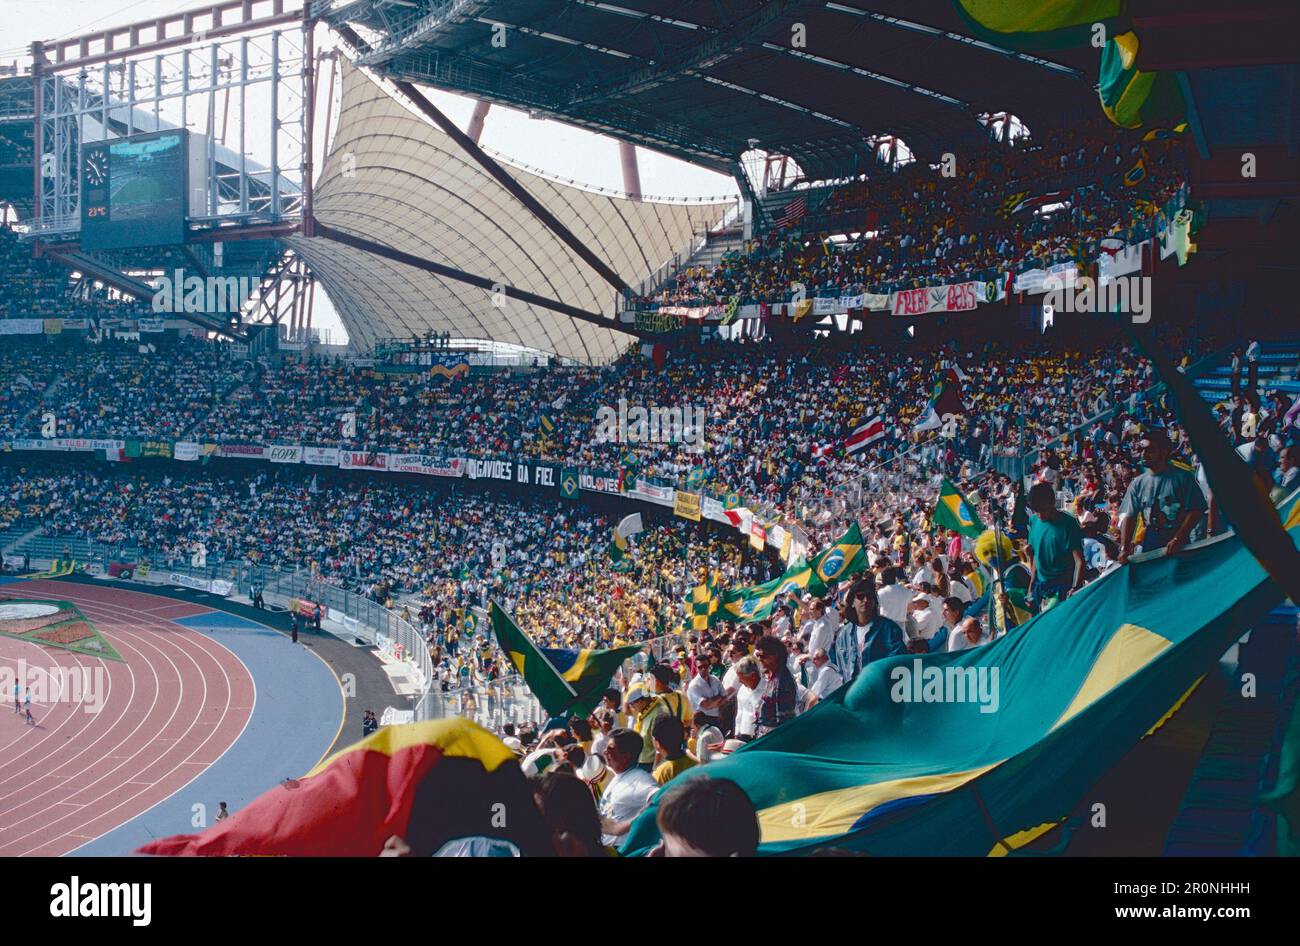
1055, 548
1166, 498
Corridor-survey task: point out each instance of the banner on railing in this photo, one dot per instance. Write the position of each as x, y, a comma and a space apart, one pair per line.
362, 460
686, 505
653, 492
425, 465
320, 456
597, 481
22, 326
284, 453
185, 451
243, 451
958, 297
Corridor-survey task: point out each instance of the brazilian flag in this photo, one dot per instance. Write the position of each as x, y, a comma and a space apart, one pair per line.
565, 681
702, 605
846, 557
1129, 96
954, 511
1017, 731
756, 602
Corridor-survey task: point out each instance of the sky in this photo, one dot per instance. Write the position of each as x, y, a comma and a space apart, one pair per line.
550, 146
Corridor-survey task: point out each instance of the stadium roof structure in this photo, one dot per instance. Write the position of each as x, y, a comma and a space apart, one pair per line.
701, 80
397, 192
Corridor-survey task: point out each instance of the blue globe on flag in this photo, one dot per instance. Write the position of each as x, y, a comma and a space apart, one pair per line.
832, 564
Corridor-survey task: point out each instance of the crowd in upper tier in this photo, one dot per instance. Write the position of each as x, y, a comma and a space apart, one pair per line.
919, 226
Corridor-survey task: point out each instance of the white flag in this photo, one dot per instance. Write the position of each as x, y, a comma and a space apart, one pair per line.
630, 525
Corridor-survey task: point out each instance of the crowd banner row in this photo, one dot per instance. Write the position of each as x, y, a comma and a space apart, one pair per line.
1169, 231
551, 478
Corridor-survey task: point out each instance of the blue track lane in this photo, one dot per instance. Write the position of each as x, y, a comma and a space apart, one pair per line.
296, 717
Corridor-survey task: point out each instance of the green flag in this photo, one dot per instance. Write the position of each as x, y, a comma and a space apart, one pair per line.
1017, 731
565, 681
846, 557
954, 511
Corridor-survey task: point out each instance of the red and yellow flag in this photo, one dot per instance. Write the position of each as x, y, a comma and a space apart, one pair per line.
427, 782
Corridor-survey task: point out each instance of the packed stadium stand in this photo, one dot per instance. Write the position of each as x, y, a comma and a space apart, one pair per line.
880, 412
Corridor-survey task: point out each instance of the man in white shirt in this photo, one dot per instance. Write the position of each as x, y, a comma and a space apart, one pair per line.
825, 679
705, 691
748, 691
924, 617
966, 635
893, 597
629, 791
822, 627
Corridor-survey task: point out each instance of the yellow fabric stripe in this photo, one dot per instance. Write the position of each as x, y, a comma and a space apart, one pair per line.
1129, 650
1176, 707
1293, 519
574, 673
836, 811
1013, 842
454, 737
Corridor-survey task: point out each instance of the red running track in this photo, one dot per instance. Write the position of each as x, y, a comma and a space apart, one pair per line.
173, 708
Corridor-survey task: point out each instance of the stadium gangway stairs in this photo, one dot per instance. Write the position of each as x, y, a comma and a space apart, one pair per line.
1220, 814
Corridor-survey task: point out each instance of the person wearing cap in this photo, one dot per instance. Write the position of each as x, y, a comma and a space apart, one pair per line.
644, 708
1166, 498
780, 698
1055, 548
661, 680
865, 635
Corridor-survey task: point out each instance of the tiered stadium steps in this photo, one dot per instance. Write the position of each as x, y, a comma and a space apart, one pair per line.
11, 540
1220, 813
1277, 370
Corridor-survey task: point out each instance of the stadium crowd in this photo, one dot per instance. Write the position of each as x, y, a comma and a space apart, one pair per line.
921, 226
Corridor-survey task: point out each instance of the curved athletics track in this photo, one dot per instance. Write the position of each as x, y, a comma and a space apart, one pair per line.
207, 707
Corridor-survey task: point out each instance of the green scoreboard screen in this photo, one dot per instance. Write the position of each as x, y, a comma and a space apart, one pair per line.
133, 191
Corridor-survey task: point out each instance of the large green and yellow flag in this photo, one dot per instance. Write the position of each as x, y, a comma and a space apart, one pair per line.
979, 751
756, 602
564, 680
844, 558
702, 604
954, 511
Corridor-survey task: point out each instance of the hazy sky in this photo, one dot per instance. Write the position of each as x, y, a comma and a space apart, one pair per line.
551, 146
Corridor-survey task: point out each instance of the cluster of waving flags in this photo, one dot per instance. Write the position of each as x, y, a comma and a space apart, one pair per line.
708, 603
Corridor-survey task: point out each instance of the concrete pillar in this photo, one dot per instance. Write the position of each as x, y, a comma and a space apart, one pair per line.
476, 120
631, 173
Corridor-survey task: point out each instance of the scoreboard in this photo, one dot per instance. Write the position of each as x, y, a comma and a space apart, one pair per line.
133, 190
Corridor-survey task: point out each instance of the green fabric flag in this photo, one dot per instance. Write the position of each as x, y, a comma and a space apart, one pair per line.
565, 681
757, 602
1035, 24
954, 511
846, 557
979, 751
